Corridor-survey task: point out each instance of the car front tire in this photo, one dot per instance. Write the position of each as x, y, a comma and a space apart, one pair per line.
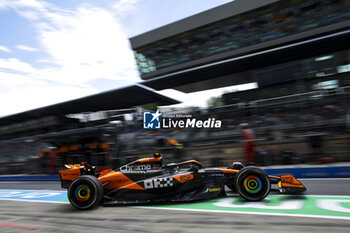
252, 183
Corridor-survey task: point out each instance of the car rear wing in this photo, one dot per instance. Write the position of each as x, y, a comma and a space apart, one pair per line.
73, 171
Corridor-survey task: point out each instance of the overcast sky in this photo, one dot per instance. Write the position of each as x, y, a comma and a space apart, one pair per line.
56, 50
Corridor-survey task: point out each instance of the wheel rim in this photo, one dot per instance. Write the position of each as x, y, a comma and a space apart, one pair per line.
82, 193
252, 184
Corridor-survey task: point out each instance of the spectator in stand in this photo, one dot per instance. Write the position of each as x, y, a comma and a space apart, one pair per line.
248, 137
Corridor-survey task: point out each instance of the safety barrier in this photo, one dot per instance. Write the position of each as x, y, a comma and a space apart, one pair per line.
302, 172
30, 178
313, 172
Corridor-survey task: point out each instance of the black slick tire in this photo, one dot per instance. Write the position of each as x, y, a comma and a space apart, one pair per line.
85, 192
252, 183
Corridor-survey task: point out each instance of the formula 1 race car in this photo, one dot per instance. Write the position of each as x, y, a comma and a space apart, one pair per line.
147, 181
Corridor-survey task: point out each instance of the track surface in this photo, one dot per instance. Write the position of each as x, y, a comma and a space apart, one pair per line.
16, 216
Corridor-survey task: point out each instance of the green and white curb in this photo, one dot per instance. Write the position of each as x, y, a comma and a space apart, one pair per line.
316, 206
333, 207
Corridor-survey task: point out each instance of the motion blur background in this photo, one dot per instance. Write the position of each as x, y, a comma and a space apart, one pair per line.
292, 56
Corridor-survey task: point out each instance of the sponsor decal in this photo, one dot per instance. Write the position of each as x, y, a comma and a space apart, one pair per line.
77, 173
153, 120
214, 173
289, 180
185, 178
105, 172
158, 183
216, 189
141, 168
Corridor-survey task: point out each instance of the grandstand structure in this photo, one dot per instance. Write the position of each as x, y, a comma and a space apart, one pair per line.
297, 52
56, 117
72, 131
246, 41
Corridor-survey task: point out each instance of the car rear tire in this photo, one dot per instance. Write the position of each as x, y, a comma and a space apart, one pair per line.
85, 192
252, 183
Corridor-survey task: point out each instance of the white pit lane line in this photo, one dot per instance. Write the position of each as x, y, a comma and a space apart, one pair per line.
242, 212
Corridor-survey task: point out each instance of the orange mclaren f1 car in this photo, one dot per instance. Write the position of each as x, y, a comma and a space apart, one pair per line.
148, 181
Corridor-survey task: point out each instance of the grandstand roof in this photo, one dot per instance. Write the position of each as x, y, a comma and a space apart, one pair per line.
122, 98
209, 49
201, 19
229, 71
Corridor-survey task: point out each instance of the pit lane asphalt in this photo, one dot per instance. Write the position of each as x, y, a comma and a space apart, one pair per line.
16, 216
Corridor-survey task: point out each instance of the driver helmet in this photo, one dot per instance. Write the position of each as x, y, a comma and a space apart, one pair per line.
237, 165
